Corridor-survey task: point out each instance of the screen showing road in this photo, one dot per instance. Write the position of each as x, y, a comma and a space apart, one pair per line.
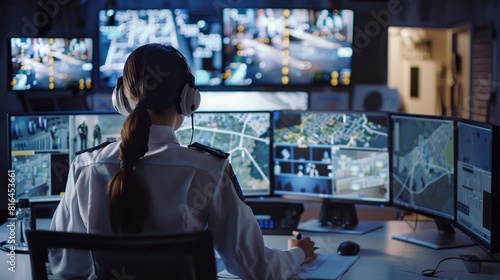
196, 34
278, 46
44, 63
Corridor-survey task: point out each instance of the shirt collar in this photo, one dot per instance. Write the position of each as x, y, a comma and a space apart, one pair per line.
161, 134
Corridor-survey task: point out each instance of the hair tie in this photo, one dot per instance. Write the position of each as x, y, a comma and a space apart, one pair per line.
126, 164
142, 105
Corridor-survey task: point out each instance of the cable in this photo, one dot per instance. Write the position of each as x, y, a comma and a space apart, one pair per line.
192, 129
470, 259
431, 272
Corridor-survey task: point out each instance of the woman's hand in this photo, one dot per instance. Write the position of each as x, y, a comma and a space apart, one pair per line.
304, 243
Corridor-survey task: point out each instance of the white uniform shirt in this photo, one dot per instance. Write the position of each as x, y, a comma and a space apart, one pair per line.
188, 190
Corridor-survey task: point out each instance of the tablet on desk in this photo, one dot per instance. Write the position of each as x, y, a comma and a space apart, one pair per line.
323, 267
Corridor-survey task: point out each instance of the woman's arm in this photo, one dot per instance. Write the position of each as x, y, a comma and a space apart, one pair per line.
238, 237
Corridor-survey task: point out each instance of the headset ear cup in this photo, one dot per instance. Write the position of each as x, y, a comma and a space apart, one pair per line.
190, 100
119, 101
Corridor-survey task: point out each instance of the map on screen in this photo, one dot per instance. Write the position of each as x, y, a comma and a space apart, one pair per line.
423, 164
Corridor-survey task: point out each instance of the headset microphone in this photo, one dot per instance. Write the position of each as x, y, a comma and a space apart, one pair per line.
192, 129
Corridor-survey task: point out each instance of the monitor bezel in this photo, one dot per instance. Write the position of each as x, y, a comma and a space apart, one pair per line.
493, 246
56, 89
332, 198
299, 86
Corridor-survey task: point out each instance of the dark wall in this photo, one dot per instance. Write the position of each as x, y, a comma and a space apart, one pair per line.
78, 18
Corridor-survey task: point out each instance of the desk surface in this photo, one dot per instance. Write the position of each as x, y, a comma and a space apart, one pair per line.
381, 257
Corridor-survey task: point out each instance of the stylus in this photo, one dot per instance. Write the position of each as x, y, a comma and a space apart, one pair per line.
297, 234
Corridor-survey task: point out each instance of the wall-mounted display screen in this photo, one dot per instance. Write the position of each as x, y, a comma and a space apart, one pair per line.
279, 46
197, 35
43, 64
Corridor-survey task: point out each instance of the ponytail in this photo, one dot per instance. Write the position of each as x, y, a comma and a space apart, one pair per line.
127, 199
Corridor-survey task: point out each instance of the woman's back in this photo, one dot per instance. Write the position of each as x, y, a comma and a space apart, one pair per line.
179, 183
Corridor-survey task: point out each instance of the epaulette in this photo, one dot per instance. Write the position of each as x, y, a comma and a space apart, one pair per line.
235, 184
209, 150
95, 148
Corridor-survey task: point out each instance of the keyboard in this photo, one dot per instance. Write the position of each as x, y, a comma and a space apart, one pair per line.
323, 267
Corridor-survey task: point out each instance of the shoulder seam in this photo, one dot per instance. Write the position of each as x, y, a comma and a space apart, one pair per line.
91, 149
209, 150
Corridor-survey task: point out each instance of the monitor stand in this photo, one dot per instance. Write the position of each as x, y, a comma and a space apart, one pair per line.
443, 237
339, 218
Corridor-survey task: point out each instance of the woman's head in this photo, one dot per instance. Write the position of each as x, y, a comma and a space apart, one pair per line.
156, 75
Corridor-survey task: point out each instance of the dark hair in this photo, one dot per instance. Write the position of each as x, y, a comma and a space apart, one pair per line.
154, 75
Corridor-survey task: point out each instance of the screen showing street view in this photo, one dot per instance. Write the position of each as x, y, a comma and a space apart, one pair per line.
42, 147
287, 46
245, 136
331, 155
196, 34
423, 164
50, 64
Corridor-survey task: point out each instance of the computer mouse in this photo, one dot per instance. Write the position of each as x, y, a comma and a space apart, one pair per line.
348, 248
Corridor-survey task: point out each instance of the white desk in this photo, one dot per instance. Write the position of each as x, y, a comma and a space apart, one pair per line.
381, 257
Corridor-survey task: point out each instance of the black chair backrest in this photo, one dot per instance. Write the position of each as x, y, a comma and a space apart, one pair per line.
185, 256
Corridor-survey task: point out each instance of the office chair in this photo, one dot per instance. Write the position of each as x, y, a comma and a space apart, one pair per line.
184, 256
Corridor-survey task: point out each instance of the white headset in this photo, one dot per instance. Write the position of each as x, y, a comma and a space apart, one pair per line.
189, 102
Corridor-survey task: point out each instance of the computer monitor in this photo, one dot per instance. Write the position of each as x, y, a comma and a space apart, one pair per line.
423, 176
197, 35
46, 63
339, 157
253, 100
281, 46
43, 145
245, 136
478, 192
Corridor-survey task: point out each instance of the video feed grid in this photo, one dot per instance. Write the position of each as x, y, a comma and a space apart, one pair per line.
195, 34
245, 136
39, 153
287, 46
50, 63
42, 148
333, 155
423, 164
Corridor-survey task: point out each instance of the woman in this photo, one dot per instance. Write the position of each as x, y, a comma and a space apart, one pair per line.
148, 183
